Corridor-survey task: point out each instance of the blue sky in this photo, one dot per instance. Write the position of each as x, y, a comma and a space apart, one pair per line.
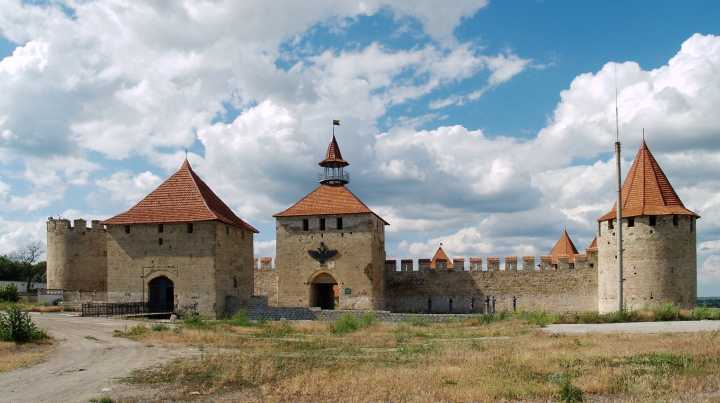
487, 126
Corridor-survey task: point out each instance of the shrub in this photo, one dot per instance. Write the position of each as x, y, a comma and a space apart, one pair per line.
240, 319
367, 320
138, 329
160, 327
347, 323
194, 322
538, 318
9, 293
568, 392
665, 312
17, 327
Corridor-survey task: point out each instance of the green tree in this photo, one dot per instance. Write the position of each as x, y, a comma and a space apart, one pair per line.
25, 258
9, 270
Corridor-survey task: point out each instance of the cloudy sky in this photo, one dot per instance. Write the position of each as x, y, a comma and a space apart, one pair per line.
487, 126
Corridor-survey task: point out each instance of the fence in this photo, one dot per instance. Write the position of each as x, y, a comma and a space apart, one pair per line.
108, 309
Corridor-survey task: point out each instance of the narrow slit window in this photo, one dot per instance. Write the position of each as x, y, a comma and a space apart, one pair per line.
339, 223
227, 230
610, 224
631, 222
676, 220
306, 224
127, 229
159, 241
160, 228
190, 228
322, 224
653, 220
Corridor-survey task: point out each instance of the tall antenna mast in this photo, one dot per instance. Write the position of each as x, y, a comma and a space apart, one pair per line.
619, 204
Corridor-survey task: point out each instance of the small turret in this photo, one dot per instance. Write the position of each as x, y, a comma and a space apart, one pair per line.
334, 165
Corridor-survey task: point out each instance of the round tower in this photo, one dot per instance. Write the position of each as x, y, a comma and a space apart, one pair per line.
76, 255
659, 242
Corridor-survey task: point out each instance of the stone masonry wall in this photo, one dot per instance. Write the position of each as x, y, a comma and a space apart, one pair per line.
187, 259
266, 282
358, 265
659, 262
233, 265
561, 290
76, 255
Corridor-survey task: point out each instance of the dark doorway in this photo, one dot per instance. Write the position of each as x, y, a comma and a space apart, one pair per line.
324, 289
161, 295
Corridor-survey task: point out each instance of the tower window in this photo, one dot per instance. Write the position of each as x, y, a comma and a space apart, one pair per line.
322, 224
653, 220
190, 228
339, 223
610, 224
160, 228
306, 224
159, 241
631, 222
227, 230
676, 220
127, 229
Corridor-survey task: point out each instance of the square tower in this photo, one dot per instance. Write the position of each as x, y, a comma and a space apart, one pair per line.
330, 247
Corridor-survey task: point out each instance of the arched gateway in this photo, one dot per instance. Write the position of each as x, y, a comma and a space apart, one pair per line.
323, 291
161, 295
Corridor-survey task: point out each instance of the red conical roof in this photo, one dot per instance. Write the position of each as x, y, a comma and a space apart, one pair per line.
647, 191
564, 247
593, 246
183, 197
440, 254
333, 156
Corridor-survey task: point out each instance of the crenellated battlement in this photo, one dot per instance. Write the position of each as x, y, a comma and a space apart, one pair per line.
63, 224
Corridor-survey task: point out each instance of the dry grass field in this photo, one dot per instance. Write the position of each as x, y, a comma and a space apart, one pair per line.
475, 360
14, 356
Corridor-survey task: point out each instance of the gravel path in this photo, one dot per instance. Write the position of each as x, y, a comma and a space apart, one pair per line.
637, 327
86, 361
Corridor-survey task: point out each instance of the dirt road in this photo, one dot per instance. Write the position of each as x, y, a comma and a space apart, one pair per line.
86, 360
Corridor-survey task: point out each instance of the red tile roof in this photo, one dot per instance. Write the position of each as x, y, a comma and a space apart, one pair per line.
183, 197
593, 246
647, 191
333, 156
564, 248
328, 200
440, 255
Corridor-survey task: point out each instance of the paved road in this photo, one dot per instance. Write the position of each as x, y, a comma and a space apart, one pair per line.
637, 327
86, 360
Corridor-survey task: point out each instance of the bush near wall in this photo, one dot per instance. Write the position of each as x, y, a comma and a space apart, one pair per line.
9, 293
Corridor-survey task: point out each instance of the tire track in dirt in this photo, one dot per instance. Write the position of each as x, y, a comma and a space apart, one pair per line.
86, 360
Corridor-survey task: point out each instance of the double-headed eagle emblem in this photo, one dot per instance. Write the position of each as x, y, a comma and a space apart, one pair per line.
322, 253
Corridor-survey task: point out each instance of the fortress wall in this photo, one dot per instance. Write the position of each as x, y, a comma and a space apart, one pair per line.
266, 282
76, 255
563, 290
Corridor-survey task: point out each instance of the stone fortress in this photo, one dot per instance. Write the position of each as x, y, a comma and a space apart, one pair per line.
181, 249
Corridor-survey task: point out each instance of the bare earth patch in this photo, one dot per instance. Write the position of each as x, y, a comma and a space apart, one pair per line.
86, 360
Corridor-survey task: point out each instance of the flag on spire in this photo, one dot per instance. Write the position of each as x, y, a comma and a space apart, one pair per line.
336, 122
